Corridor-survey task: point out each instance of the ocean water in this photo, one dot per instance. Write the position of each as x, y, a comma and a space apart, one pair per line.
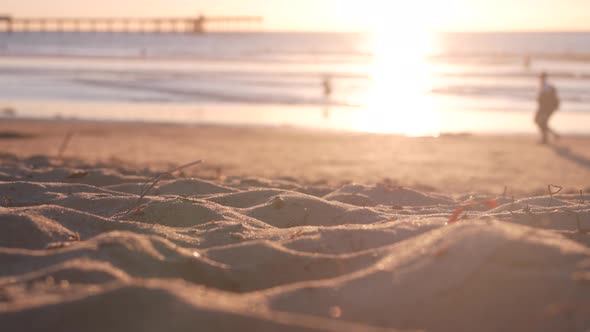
414, 85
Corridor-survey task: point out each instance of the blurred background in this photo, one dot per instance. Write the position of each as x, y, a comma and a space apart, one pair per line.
405, 67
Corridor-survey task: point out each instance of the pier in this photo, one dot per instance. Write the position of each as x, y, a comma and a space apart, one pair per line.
194, 25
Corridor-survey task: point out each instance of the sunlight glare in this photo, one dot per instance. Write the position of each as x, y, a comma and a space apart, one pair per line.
397, 101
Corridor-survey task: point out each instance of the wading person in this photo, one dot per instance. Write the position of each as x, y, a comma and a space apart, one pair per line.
548, 103
327, 90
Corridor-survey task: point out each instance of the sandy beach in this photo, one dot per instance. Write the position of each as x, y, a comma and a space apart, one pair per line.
450, 164
283, 229
236, 165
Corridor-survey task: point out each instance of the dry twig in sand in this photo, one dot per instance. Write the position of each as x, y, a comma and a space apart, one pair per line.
145, 189
551, 192
485, 203
64, 144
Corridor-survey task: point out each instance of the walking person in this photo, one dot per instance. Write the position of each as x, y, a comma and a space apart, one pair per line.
548, 103
327, 90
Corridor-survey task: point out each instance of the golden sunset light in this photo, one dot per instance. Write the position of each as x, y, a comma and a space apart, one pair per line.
339, 15
302, 165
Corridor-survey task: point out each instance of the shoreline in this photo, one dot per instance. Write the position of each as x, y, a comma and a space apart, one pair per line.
343, 119
74, 120
451, 163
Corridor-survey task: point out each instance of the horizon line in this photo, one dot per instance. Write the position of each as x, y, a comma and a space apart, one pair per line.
368, 31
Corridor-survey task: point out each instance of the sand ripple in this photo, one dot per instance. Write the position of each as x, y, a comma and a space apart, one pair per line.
80, 251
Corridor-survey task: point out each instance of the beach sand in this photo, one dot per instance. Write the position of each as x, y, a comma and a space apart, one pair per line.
283, 229
450, 164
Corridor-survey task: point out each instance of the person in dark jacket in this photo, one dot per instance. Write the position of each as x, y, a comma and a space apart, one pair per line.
548, 103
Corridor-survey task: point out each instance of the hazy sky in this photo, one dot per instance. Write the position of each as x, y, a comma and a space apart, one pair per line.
344, 15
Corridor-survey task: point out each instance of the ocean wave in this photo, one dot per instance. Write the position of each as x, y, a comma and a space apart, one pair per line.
216, 95
516, 74
512, 92
293, 47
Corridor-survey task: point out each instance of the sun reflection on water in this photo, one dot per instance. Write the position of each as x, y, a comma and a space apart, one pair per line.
398, 100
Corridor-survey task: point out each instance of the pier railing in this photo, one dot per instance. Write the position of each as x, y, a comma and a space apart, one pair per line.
197, 24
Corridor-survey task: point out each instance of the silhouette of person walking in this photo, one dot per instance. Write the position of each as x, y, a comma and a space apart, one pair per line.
548, 103
327, 89
327, 85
